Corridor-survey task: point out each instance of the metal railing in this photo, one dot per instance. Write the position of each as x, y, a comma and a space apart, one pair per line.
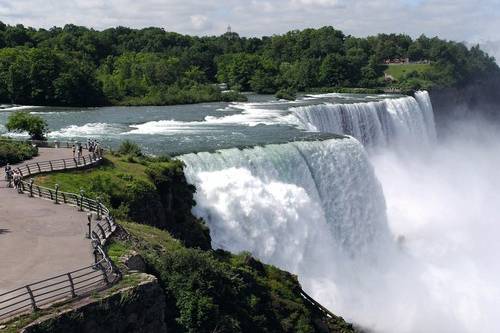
73, 284
45, 143
316, 305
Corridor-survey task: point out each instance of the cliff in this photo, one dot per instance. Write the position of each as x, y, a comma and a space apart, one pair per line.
137, 308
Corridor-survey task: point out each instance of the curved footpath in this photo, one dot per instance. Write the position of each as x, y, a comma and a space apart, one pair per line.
38, 238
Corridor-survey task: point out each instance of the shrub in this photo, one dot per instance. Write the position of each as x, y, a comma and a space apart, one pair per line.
15, 152
36, 126
288, 94
130, 148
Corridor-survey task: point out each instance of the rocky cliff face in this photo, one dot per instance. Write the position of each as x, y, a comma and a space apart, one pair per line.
136, 309
478, 98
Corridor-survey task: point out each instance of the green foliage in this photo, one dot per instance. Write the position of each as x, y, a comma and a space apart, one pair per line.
14, 151
288, 94
35, 126
129, 148
75, 65
147, 190
218, 291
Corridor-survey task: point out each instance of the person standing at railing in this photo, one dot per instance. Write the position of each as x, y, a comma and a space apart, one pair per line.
8, 174
74, 150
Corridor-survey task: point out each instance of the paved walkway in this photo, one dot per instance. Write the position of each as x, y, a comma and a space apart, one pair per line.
39, 239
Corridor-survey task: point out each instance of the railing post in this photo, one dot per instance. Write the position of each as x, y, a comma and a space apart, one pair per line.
96, 252
39, 192
98, 208
108, 222
103, 233
51, 167
57, 193
64, 163
38, 165
81, 200
73, 294
31, 187
28, 167
84, 162
32, 298
89, 224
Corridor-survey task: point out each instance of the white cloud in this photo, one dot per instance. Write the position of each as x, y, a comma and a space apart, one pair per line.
199, 22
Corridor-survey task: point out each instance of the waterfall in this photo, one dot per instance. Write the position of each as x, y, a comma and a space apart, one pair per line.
288, 204
401, 121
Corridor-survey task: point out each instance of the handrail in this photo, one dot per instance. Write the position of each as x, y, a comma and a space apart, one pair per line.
317, 305
77, 283
45, 143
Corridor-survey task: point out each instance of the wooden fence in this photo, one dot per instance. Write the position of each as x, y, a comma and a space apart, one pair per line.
73, 284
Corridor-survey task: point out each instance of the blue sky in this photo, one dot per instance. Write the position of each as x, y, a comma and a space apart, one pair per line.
462, 20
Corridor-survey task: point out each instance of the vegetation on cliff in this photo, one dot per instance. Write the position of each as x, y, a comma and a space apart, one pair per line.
75, 65
142, 189
216, 291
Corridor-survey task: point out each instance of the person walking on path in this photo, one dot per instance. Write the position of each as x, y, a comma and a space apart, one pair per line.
17, 180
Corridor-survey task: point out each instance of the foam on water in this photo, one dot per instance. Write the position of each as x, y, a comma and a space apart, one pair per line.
89, 129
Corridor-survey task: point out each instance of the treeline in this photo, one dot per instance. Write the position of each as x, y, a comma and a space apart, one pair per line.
75, 65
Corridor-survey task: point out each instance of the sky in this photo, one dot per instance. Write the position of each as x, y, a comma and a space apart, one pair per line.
461, 20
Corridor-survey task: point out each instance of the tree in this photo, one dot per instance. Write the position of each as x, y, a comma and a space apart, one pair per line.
36, 127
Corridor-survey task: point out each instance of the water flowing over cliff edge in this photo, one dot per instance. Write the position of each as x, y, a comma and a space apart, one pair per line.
318, 210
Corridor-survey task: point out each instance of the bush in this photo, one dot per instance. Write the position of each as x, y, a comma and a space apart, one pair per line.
288, 94
130, 148
233, 96
36, 127
216, 291
14, 151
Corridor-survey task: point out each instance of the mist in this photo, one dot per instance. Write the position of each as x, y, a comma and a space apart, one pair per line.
443, 211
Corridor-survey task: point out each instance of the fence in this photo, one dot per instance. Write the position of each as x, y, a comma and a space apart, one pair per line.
46, 144
316, 305
73, 284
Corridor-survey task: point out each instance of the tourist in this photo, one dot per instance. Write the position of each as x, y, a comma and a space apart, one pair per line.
17, 179
7, 171
80, 152
74, 150
8, 174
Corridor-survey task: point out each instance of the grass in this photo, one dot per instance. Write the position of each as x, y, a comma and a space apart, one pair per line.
398, 71
73, 181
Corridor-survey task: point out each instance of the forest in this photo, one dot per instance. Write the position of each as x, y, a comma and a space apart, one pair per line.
79, 66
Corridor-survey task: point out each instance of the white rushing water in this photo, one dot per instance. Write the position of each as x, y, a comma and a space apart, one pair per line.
403, 121
266, 198
421, 258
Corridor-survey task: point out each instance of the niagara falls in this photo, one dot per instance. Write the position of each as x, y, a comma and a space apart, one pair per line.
264, 166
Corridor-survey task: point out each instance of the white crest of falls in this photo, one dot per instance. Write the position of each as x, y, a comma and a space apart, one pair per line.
405, 120
290, 202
